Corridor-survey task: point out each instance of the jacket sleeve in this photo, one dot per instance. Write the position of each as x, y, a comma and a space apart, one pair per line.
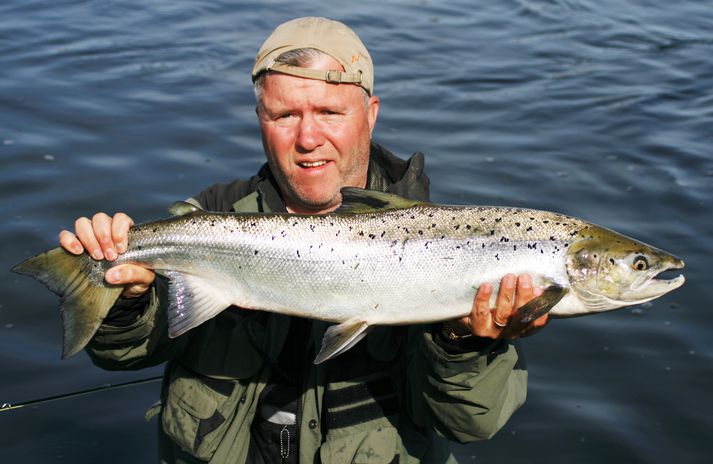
468, 396
141, 343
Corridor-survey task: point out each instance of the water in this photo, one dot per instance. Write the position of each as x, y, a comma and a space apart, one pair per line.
599, 109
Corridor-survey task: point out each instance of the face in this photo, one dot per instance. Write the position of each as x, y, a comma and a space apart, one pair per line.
316, 136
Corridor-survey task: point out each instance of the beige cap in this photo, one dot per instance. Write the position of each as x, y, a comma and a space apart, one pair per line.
328, 36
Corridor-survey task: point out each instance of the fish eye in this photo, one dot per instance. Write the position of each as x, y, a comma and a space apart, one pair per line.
640, 263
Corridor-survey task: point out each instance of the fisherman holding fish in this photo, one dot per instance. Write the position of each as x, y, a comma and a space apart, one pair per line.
241, 387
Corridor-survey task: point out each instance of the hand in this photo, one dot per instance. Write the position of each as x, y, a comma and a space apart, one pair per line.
514, 293
104, 237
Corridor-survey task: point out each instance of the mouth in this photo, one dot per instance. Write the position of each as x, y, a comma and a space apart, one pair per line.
657, 285
312, 164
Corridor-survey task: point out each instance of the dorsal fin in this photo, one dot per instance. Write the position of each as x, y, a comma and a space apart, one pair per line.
356, 200
181, 208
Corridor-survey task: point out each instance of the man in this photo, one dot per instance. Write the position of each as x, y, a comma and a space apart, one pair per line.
241, 387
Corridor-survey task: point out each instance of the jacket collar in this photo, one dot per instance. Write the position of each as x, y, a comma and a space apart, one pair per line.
386, 173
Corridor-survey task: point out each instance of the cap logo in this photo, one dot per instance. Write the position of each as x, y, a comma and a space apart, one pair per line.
355, 58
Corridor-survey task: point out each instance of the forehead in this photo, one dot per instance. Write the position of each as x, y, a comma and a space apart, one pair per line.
286, 90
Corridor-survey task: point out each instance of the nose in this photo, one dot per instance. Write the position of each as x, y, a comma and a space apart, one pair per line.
310, 135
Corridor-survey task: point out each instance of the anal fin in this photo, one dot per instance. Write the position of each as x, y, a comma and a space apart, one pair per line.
339, 338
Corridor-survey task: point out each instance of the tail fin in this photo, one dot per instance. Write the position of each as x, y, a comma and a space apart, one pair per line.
85, 298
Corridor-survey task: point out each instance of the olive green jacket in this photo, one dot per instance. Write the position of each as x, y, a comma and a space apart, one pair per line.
397, 396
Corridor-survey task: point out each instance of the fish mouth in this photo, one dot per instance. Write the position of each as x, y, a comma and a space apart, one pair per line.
652, 285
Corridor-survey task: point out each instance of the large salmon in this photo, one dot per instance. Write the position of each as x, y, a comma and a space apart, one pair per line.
380, 259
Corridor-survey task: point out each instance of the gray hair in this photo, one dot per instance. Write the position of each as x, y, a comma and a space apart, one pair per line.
301, 57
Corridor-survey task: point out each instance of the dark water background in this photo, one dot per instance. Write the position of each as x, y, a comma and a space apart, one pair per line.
599, 109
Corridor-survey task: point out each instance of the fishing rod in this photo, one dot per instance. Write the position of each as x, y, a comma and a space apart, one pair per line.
88, 391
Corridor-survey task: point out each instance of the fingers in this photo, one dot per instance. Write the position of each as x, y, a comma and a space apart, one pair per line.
505, 301
120, 231
514, 292
69, 242
102, 236
136, 279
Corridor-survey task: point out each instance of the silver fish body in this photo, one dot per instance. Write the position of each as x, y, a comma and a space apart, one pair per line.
400, 264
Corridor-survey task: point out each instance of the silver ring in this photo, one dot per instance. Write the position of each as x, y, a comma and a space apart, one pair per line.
498, 323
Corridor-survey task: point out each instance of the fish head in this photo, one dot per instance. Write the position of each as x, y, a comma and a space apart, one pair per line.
608, 270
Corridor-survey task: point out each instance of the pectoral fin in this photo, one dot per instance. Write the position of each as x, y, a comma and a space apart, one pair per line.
339, 338
542, 304
193, 300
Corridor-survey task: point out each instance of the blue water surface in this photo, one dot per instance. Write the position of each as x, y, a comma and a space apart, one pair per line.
598, 109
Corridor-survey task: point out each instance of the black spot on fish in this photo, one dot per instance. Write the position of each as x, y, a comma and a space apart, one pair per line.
457, 247
517, 224
504, 239
420, 232
256, 252
492, 232
433, 225
482, 245
482, 219
514, 248
456, 227
413, 217
467, 226
372, 236
406, 230
611, 260
361, 233
497, 257
154, 230
498, 219
298, 253
552, 237
383, 232
273, 237
529, 229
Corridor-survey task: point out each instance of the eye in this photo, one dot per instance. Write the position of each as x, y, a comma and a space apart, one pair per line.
640, 263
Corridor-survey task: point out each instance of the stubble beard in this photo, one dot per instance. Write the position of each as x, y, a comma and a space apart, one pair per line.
294, 194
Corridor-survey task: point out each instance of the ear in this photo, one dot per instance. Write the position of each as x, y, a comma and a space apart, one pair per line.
373, 112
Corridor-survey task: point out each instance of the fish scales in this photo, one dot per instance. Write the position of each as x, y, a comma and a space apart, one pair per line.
345, 264
381, 259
